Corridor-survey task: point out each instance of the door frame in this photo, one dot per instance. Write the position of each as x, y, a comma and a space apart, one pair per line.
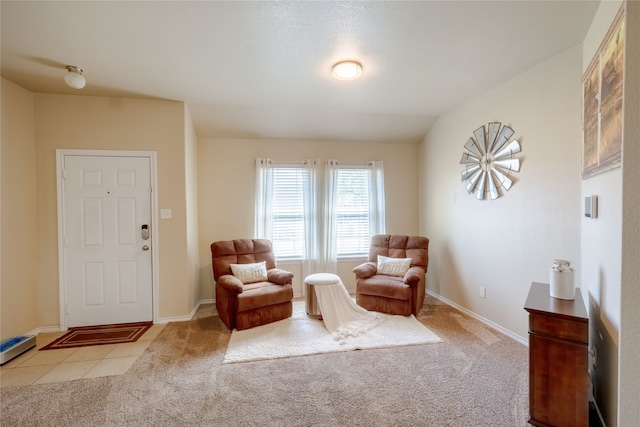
62, 274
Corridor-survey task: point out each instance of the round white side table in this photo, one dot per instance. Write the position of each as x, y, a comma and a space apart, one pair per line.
310, 282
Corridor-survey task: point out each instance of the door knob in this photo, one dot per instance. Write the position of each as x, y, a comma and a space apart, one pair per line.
145, 248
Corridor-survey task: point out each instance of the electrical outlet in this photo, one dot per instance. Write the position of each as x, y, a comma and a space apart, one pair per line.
483, 292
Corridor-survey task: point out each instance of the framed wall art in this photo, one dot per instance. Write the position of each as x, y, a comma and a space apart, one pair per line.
602, 95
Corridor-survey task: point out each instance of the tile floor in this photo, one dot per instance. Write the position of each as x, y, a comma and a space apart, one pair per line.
40, 367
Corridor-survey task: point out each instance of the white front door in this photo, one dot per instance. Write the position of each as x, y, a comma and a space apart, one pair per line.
107, 252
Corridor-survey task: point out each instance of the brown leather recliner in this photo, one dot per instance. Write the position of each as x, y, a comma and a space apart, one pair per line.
393, 294
244, 306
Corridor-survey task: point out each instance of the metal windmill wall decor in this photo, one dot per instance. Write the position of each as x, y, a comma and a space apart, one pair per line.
490, 160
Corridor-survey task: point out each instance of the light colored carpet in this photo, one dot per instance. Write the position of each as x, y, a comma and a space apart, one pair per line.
474, 377
301, 335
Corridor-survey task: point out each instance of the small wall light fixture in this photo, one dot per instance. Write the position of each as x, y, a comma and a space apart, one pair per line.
74, 77
346, 70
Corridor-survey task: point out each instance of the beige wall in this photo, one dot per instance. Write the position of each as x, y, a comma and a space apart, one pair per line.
83, 122
601, 252
191, 181
227, 181
503, 245
18, 228
610, 244
629, 360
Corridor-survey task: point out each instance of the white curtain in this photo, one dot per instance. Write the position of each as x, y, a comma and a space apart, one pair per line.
376, 198
311, 257
329, 246
263, 218
320, 217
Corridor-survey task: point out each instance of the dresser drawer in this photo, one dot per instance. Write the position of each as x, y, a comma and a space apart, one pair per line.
559, 328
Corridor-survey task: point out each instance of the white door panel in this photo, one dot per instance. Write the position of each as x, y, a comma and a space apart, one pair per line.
108, 271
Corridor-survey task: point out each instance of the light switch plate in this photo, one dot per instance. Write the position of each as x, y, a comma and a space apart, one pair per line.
165, 213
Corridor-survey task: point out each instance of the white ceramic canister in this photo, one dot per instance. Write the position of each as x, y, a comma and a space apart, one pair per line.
561, 280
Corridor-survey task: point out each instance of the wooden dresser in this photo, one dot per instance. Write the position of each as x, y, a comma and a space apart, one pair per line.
558, 359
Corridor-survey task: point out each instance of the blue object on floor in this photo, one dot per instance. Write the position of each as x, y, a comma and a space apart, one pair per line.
13, 347
8, 343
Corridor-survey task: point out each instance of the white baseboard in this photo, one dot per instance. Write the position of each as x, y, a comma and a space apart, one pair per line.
476, 316
162, 320
185, 318
44, 330
595, 405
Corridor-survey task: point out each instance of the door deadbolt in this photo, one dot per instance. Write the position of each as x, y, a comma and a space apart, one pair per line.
145, 248
144, 232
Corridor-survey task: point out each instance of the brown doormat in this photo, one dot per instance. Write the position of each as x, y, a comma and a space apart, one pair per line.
100, 335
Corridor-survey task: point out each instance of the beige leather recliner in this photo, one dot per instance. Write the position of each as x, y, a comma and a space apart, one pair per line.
393, 294
244, 306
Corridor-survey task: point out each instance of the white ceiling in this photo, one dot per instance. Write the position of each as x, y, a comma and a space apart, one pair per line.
263, 69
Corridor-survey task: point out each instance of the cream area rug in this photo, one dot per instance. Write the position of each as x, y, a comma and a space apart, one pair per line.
302, 335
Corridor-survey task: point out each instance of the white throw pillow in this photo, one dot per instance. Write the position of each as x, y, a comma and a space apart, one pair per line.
393, 266
250, 273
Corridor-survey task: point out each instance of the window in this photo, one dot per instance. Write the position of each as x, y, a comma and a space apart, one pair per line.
282, 206
293, 214
288, 212
352, 211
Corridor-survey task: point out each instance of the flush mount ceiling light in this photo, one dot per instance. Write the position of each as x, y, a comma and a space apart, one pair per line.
346, 70
74, 77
